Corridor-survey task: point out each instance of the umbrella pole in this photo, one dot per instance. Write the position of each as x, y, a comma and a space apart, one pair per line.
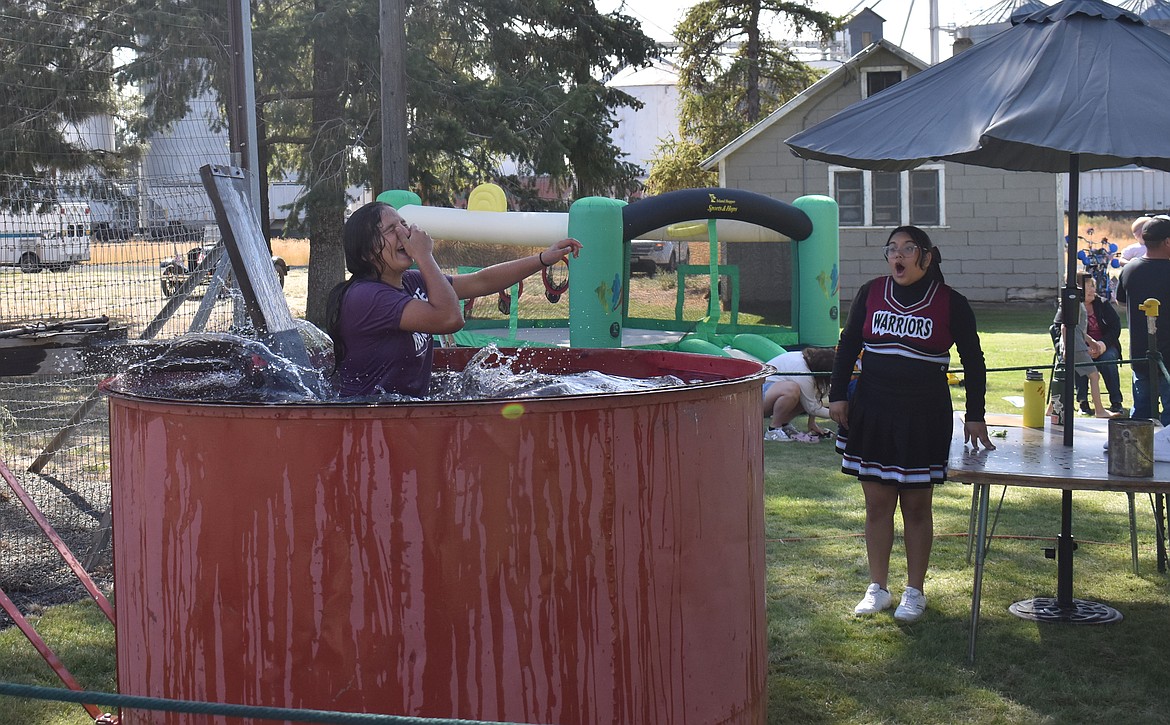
1070, 311
1064, 608
1070, 308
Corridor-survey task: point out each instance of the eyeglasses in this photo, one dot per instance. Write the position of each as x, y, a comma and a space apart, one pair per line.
904, 252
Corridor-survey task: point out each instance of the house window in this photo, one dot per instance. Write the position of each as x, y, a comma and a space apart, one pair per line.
889, 198
924, 198
879, 80
849, 191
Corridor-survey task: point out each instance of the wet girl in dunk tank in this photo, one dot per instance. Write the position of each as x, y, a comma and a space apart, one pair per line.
384, 317
895, 431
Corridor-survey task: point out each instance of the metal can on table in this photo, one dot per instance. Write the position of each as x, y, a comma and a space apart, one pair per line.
1131, 447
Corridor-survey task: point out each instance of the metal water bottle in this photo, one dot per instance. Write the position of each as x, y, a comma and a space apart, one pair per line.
1033, 399
1056, 405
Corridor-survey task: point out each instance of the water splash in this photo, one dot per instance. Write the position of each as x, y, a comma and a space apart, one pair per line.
223, 367
492, 373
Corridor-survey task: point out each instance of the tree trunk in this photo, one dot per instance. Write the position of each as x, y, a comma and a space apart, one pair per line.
325, 203
264, 154
752, 92
395, 160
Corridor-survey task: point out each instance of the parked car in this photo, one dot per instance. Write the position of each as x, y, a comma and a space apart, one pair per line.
649, 256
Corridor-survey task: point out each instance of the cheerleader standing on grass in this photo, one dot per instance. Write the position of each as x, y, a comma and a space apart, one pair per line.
895, 431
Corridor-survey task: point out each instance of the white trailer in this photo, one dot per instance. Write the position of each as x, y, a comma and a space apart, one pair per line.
55, 239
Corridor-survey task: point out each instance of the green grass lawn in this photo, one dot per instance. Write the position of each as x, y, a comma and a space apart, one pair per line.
826, 666
1012, 336
1015, 336
82, 638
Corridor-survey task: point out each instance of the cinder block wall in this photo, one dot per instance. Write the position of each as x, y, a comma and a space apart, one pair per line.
1002, 239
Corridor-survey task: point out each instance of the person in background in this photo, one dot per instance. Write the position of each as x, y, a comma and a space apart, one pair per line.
787, 395
383, 317
1138, 248
895, 432
1085, 347
1103, 324
1145, 278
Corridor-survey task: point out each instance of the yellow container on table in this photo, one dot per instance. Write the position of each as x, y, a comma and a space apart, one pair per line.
1034, 399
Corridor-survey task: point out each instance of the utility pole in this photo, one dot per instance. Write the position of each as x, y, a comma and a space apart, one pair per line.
934, 31
392, 32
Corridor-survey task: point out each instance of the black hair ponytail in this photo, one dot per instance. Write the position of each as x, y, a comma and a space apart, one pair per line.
934, 272
361, 240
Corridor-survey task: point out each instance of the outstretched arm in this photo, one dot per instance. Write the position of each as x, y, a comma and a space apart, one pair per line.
490, 280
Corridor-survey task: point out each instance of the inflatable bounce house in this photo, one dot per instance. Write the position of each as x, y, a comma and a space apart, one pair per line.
597, 291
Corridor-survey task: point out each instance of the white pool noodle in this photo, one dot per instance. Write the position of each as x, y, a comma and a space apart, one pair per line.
522, 228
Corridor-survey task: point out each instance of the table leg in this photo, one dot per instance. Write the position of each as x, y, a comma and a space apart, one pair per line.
1160, 530
971, 522
1133, 555
1065, 546
980, 495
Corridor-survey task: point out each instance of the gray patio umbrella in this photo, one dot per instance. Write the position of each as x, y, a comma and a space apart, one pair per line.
1076, 86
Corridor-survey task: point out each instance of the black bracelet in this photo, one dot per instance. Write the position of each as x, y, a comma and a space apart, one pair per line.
540, 256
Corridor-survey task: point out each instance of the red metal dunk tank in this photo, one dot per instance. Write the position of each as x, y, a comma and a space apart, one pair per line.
585, 559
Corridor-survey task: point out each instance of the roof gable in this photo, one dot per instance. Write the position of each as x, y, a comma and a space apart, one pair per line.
826, 84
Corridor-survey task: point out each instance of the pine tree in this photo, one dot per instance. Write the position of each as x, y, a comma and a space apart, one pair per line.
55, 64
734, 70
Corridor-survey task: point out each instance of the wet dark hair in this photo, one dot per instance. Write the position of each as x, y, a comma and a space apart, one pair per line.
361, 239
922, 239
820, 360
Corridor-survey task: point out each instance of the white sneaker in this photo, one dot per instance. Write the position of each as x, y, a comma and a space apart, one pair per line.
776, 434
875, 600
912, 606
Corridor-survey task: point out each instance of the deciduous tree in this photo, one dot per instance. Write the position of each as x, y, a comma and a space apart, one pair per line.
55, 69
489, 81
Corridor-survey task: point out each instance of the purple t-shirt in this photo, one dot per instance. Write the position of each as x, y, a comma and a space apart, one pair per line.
380, 357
